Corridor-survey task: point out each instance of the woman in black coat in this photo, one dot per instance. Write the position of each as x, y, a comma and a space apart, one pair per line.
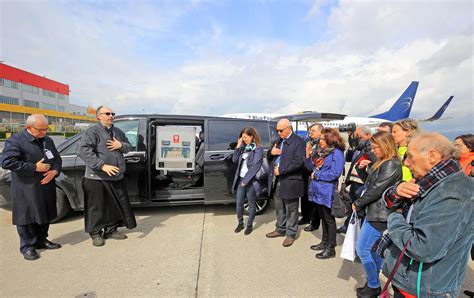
249, 156
385, 172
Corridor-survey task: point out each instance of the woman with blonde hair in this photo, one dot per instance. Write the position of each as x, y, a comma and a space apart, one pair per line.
403, 131
385, 172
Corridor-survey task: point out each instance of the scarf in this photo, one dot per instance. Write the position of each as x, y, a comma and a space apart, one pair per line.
441, 170
250, 147
318, 160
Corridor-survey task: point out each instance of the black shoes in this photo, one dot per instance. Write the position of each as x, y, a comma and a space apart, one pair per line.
310, 228
48, 245
248, 230
358, 290
369, 292
31, 254
341, 230
115, 235
97, 240
239, 228
320, 246
328, 253
303, 221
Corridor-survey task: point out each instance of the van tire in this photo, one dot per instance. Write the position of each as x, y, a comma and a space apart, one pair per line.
62, 205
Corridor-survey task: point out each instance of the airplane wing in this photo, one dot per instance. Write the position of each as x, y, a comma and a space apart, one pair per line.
311, 117
439, 112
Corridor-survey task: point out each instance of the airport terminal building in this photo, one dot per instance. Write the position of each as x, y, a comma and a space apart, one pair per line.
23, 93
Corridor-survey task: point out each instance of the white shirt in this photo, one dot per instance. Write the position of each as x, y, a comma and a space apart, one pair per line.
244, 169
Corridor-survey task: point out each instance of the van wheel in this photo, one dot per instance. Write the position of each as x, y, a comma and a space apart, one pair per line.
262, 206
62, 205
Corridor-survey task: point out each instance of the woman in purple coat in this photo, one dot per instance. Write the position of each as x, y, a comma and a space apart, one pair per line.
326, 169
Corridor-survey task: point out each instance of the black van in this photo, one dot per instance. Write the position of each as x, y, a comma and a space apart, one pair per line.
149, 186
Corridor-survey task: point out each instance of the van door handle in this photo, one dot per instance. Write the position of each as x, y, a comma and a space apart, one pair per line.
217, 157
132, 159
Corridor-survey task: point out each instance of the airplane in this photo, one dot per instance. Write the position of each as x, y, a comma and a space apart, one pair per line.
440, 112
400, 110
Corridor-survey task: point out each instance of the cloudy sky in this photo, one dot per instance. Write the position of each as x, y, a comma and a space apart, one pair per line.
220, 56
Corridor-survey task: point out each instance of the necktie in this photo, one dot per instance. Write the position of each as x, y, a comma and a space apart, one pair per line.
277, 162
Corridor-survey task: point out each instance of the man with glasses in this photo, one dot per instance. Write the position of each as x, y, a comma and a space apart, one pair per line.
106, 202
34, 162
288, 169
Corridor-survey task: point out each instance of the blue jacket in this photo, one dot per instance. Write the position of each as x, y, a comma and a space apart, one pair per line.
321, 190
254, 162
441, 234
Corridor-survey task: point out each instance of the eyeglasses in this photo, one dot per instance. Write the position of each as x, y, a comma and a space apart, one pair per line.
41, 129
108, 113
281, 130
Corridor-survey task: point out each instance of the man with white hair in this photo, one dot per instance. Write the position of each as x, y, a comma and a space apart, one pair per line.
437, 232
34, 162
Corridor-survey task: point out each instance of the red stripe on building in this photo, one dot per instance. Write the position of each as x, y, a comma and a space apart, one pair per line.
28, 78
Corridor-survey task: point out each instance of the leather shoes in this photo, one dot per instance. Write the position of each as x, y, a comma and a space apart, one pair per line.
288, 241
327, 253
310, 228
358, 290
239, 228
303, 221
274, 234
31, 255
341, 230
48, 245
97, 240
320, 246
369, 292
248, 230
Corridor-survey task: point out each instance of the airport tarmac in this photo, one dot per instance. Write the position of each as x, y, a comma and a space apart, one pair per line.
187, 251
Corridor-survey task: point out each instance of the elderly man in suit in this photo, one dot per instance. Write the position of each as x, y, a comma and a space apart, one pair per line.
34, 162
288, 169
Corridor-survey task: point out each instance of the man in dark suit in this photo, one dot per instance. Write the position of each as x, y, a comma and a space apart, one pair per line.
34, 162
288, 170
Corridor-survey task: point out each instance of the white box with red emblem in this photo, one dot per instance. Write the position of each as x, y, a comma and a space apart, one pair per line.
175, 147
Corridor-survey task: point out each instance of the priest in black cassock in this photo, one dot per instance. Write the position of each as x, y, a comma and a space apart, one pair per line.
106, 202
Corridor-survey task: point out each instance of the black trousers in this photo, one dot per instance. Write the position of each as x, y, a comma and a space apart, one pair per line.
329, 225
32, 235
309, 211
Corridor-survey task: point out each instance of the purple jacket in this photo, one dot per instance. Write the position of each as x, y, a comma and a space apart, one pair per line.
320, 190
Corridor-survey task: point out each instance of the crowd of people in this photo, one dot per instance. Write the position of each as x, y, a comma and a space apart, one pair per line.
413, 192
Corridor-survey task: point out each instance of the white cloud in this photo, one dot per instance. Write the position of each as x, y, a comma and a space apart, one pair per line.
375, 51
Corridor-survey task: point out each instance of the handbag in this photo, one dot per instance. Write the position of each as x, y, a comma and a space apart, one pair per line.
262, 173
348, 250
341, 204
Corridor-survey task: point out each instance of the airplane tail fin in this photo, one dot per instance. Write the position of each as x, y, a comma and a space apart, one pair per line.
441, 110
402, 107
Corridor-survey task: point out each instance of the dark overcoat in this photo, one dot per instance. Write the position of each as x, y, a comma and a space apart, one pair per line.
31, 201
254, 162
292, 167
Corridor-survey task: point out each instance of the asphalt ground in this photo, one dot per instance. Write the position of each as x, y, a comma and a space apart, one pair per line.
187, 251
